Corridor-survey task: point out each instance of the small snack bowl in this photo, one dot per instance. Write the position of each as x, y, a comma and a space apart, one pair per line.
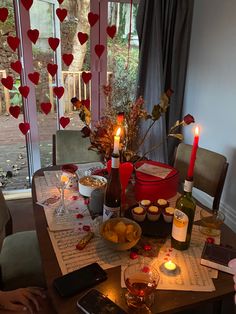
87, 184
145, 204
168, 214
153, 213
120, 234
138, 213
162, 203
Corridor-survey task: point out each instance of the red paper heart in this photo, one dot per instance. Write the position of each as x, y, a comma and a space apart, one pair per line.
83, 37
99, 50
92, 18
46, 107
27, 4
61, 13
60, 1
14, 111
24, 127
53, 42
86, 77
58, 91
111, 31
64, 121
16, 66
52, 69
67, 58
33, 35
34, 77
24, 90
7, 82
13, 42
3, 14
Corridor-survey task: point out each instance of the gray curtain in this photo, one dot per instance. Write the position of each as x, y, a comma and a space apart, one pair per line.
164, 29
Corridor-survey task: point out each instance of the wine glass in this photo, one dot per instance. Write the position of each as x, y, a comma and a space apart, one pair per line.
61, 183
141, 280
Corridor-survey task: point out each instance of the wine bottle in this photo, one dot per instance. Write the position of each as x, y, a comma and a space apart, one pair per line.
183, 218
112, 198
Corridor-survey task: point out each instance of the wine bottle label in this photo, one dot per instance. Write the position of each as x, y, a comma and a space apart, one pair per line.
110, 212
180, 226
115, 162
188, 186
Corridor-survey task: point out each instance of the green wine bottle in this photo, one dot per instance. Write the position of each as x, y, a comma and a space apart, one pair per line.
183, 218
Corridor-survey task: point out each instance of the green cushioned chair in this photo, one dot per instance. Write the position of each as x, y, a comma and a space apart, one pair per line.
20, 259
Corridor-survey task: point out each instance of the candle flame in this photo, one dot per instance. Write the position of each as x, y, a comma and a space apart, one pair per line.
118, 131
196, 132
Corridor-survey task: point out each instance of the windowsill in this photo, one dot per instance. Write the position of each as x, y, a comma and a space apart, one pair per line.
18, 194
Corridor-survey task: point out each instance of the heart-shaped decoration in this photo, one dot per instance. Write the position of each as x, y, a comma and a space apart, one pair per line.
61, 14
111, 31
27, 4
53, 42
33, 35
60, 1
58, 91
92, 18
64, 121
99, 50
3, 14
24, 90
52, 69
67, 58
7, 82
86, 77
24, 127
14, 111
83, 37
86, 103
46, 107
13, 42
34, 77
16, 66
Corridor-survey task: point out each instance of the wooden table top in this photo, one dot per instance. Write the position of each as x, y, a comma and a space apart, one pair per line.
165, 301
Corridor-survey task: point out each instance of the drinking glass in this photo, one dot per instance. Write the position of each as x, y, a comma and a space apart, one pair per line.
62, 181
211, 222
141, 280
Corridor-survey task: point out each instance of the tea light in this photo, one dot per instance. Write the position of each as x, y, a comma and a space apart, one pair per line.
170, 266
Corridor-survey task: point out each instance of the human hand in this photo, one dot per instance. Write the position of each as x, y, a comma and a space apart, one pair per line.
22, 299
232, 264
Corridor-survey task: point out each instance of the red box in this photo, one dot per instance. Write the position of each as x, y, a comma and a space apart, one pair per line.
153, 187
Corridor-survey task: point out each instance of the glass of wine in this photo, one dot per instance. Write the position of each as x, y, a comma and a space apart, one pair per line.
62, 181
141, 280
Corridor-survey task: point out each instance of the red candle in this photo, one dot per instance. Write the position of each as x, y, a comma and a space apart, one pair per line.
194, 152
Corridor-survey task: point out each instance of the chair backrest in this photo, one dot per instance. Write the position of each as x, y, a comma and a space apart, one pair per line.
209, 171
69, 146
5, 218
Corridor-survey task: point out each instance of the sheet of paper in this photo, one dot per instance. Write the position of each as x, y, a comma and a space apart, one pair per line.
153, 170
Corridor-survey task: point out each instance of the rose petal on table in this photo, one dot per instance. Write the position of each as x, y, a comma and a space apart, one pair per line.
133, 255
74, 197
86, 228
210, 240
79, 216
145, 269
86, 201
147, 247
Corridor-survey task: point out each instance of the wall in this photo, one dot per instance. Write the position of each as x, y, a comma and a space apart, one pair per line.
210, 94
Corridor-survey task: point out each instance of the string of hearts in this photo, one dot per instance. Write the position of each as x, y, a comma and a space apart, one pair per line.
33, 35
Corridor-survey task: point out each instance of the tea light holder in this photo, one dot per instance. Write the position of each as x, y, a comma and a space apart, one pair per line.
170, 268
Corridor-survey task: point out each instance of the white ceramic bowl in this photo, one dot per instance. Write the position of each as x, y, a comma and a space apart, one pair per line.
88, 184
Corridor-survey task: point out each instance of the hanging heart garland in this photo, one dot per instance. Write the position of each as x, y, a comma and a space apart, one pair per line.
27, 4
46, 107
86, 77
53, 42
58, 91
13, 42
7, 82
3, 14
24, 90
67, 58
24, 127
83, 37
86, 103
33, 35
34, 77
99, 49
52, 69
14, 111
16, 66
92, 18
60, 1
111, 31
64, 121
61, 14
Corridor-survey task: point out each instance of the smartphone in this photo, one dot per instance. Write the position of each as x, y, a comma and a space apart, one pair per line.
79, 280
94, 302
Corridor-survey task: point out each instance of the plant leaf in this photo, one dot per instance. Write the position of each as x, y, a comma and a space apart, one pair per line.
156, 112
177, 135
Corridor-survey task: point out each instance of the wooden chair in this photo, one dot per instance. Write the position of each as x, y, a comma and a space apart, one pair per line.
209, 171
20, 260
69, 146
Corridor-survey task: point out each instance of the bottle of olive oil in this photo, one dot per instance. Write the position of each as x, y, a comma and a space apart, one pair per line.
183, 218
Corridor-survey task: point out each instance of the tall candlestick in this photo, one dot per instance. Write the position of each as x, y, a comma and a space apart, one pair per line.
194, 153
117, 141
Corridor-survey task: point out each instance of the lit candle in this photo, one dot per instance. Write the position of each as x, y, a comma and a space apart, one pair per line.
194, 153
64, 178
117, 141
170, 266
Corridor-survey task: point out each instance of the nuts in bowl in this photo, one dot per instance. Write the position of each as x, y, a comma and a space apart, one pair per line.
120, 234
89, 183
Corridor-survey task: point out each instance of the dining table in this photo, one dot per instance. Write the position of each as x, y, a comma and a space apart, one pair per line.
166, 301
